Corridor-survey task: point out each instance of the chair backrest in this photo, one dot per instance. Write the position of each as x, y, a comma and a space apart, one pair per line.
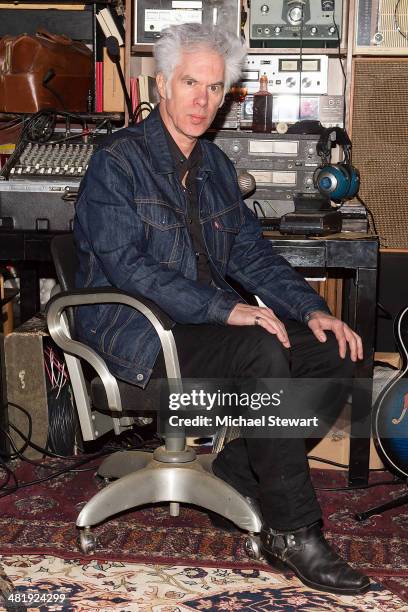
65, 260
66, 264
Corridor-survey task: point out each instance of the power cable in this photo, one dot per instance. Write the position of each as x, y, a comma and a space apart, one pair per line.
370, 214
342, 69
396, 21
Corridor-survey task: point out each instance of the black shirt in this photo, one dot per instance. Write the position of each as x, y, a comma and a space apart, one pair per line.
191, 165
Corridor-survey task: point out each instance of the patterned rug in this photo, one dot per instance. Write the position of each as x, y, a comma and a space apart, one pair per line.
50, 583
40, 520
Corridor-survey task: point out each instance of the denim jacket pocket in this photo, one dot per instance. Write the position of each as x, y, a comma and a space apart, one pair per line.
225, 226
99, 316
163, 228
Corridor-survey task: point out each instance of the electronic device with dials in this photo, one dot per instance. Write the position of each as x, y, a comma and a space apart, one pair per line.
381, 27
42, 186
152, 16
296, 20
281, 164
287, 74
303, 87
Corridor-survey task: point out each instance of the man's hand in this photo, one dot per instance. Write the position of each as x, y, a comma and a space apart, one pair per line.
320, 321
244, 314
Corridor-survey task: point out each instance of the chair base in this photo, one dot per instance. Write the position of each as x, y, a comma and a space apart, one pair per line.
145, 481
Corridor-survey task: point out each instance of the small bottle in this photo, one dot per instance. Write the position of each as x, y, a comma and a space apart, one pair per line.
262, 108
89, 102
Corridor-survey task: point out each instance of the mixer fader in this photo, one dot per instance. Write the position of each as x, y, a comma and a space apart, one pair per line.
53, 160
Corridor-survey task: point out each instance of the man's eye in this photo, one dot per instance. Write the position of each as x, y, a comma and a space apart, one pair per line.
189, 82
215, 88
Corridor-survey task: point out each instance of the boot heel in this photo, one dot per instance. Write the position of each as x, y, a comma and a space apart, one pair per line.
219, 522
275, 562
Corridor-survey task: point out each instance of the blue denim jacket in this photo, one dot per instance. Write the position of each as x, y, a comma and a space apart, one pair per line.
131, 232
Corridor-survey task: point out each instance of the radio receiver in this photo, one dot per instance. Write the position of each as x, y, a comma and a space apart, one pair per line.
381, 27
152, 16
296, 20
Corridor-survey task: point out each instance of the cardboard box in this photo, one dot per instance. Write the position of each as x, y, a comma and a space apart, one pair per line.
335, 446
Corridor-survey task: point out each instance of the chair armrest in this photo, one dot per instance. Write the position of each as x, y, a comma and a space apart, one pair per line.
106, 295
9, 294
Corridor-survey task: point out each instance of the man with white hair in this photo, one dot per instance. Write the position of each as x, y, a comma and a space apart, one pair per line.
160, 214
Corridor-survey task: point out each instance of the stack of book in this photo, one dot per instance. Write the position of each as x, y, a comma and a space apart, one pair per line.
143, 92
108, 91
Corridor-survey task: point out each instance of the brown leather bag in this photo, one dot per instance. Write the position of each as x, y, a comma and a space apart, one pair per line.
44, 71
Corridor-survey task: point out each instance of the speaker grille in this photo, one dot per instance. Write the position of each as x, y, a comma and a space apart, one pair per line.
380, 143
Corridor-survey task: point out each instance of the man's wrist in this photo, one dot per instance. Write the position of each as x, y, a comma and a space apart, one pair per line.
310, 314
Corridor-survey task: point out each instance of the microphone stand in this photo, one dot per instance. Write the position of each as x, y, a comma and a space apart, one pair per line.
112, 46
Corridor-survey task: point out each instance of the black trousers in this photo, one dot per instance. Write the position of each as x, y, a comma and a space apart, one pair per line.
273, 470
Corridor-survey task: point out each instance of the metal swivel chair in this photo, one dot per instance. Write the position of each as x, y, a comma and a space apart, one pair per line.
173, 473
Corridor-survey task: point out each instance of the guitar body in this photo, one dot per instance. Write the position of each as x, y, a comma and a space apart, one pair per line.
390, 413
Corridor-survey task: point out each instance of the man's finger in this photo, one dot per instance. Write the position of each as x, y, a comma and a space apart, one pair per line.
341, 339
352, 340
360, 350
318, 331
357, 342
276, 328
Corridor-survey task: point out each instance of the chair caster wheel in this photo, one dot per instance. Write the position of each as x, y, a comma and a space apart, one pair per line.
103, 481
253, 547
87, 541
361, 516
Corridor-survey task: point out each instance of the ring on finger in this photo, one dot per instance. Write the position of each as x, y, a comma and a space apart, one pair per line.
257, 319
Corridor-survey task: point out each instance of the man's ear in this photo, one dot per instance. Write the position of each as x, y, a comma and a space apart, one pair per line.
161, 85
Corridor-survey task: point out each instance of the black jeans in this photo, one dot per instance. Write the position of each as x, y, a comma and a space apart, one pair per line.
275, 471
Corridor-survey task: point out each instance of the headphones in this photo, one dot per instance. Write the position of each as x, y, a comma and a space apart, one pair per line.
340, 181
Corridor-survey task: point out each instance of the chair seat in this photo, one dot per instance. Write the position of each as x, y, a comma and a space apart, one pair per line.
133, 398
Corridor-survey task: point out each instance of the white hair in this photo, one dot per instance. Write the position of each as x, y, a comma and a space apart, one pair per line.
191, 37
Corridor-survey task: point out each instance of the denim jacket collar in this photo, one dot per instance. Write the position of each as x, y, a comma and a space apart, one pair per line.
156, 144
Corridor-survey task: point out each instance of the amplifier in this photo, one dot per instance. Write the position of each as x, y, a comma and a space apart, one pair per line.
43, 184
287, 74
38, 206
281, 164
381, 27
26, 385
296, 20
152, 16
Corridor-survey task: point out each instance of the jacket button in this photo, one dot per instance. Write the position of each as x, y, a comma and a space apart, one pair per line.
139, 377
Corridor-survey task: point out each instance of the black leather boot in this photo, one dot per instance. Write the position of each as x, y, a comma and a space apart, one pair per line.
306, 552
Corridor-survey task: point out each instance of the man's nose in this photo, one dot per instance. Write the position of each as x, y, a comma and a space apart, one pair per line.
202, 96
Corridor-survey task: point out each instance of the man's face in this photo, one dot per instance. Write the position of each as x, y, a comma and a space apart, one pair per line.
197, 89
